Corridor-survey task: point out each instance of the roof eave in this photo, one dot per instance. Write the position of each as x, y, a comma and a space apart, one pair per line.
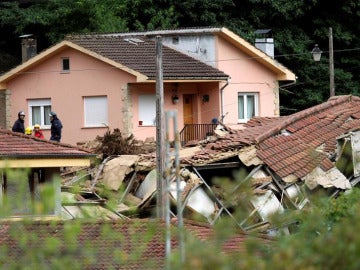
192, 79
284, 74
29, 63
55, 49
287, 76
35, 162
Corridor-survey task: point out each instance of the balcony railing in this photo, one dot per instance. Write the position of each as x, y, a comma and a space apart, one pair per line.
192, 132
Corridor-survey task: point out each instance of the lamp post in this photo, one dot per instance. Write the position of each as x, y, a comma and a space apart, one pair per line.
316, 53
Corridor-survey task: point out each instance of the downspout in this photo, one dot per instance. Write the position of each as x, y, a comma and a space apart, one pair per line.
222, 99
287, 85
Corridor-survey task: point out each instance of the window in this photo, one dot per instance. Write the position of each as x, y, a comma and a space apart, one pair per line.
65, 64
175, 40
96, 111
39, 110
147, 109
247, 106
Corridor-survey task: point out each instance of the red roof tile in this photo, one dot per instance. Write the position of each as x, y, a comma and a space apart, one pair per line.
295, 152
121, 244
140, 55
17, 145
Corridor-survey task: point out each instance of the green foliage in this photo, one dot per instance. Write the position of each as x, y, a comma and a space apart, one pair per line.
296, 26
148, 14
324, 234
192, 13
342, 207
325, 239
57, 245
56, 18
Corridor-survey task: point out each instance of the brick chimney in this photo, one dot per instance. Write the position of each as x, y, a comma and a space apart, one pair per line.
264, 41
28, 47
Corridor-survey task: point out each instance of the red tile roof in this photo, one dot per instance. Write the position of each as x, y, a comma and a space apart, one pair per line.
139, 54
17, 145
130, 244
296, 151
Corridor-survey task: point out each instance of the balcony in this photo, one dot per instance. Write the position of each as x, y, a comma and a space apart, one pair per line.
192, 132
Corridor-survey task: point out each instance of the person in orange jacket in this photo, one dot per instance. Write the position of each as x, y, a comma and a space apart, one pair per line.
37, 132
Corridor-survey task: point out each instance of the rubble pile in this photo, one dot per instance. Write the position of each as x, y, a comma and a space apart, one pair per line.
283, 161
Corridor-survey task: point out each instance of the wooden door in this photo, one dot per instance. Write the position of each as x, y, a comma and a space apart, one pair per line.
188, 109
188, 113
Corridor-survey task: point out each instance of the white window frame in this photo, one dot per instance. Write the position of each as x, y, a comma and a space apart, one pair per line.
42, 103
96, 111
147, 109
245, 105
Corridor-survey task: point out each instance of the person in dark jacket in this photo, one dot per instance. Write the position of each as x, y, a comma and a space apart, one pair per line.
56, 127
19, 123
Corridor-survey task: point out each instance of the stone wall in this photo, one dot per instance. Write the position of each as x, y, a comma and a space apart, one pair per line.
4, 109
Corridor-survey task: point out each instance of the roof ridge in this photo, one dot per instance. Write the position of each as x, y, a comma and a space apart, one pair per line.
332, 101
115, 36
147, 32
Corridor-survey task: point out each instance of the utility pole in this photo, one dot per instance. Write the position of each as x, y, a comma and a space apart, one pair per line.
316, 53
331, 63
160, 133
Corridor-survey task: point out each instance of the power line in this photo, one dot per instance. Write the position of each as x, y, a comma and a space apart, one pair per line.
295, 54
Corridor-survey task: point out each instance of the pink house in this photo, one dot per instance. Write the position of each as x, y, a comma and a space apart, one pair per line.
254, 75
98, 81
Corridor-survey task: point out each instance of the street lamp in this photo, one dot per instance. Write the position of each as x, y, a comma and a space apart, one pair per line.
316, 53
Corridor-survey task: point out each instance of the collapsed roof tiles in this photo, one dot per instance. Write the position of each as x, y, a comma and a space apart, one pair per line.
292, 146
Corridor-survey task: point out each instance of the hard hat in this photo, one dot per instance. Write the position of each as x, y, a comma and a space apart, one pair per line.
21, 113
28, 131
52, 114
36, 126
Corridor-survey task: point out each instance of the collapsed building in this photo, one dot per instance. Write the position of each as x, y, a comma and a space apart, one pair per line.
282, 159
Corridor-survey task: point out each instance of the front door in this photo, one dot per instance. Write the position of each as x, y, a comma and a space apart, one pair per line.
188, 114
188, 109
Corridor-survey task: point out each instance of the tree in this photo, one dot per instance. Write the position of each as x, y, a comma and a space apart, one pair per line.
296, 26
51, 20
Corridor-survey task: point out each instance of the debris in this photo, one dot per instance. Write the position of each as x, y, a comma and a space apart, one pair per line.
112, 144
248, 156
282, 159
330, 178
117, 169
75, 205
